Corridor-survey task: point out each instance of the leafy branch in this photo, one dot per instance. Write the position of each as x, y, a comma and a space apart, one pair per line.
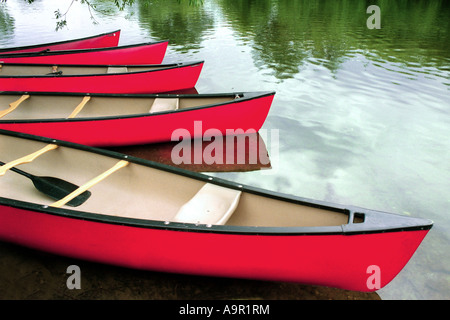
120, 4
62, 17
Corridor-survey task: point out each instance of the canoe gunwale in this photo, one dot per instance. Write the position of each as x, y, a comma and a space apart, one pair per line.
374, 221
56, 42
244, 96
162, 67
75, 51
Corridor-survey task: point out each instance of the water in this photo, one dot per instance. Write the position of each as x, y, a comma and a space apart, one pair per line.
363, 115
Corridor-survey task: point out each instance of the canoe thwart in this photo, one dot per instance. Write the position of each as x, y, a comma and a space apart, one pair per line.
164, 104
79, 107
117, 70
89, 184
212, 204
13, 105
26, 159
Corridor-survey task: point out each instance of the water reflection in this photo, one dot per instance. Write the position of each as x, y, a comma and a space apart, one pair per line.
287, 34
6, 24
182, 23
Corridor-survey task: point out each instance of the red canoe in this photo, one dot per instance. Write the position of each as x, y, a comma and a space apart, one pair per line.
145, 215
99, 78
113, 120
110, 39
145, 53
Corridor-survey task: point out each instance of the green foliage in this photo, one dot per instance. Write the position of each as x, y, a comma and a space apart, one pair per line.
192, 2
121, 4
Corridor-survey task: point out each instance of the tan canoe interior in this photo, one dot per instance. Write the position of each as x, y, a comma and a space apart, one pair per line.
138, 191
28, 70
57, 107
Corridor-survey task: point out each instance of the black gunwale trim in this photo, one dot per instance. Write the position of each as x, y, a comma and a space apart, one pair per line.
74, 51
401, 223
244, 96
56, 42
163, 67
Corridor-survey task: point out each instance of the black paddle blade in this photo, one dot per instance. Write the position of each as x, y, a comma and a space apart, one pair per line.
57, 189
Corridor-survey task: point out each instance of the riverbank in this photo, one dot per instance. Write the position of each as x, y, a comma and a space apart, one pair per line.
33, 275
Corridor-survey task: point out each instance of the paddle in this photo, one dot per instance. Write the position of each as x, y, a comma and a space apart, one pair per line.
55, 188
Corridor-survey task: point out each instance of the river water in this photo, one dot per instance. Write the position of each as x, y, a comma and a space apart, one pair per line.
361, 116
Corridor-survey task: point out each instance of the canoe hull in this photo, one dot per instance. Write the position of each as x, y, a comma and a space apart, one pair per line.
238, 117
342, 261
179, 77
150, 53
110, 39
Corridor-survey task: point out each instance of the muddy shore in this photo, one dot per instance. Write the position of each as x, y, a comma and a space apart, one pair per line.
34, 275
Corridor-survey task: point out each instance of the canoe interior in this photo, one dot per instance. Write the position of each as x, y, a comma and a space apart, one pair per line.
57, 107
42, 70
142, 192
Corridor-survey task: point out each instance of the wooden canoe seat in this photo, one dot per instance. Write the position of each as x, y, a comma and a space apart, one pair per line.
13, 105
164, 104
26, 159
212, 204
119, 165
79, 107
117, 70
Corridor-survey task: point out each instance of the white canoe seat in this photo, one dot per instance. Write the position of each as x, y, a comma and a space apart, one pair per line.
164, 104
212, 204
117, 70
